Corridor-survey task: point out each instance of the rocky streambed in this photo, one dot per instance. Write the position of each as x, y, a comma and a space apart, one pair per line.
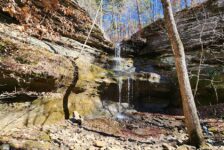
139, 131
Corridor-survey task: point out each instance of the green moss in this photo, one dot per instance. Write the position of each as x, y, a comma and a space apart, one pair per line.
29, 144
52, 107
110, 73
53, 117
213, 129
2, 46
22, 60
44, 136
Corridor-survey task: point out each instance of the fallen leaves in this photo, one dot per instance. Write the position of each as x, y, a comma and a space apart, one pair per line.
50, 5
10, 9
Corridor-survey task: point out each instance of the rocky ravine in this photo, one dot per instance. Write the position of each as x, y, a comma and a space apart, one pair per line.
38, 70
140, 131
201, 30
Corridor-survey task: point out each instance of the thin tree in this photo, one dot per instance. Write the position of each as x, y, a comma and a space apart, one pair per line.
190, 112
139, 17
185, 3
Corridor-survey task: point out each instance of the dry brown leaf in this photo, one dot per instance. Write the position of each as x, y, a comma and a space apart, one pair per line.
50, 4
25, 13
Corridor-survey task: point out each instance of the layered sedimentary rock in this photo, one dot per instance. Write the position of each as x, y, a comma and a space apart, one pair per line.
202, 31
47, 19
203, 24
39, 45
35, 76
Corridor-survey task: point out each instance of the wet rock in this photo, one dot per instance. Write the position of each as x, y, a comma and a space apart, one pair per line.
148, 76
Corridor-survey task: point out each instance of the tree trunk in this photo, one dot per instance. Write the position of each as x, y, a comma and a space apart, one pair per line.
101, 16
185, 2
139, 17
189, 108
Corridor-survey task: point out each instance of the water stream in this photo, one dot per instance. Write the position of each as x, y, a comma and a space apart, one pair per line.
118, 69
128, 91
122, 72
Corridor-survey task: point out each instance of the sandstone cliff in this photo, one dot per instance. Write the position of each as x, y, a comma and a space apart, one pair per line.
39, 41
202, 31
201, 25
49, 18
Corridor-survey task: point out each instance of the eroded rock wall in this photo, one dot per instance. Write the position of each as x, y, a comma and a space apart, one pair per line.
39, 45
202, 31
201, 25
48, 18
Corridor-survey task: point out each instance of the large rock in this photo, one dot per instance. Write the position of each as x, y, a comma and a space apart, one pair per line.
39, 41
201, 29
199, 25
28, 67
36, 75
46, 19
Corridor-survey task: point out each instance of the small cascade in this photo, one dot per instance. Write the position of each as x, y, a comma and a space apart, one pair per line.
120, 83
129, 91
117, 58
118, 69
123, 72
134, 88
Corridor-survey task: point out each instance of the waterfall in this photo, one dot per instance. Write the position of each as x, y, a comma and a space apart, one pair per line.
118, 69
117, 58
120, 83
129, 91
132, 90
123, 70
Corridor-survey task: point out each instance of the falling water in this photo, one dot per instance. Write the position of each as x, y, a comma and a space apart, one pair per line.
117, 57
120, 90
120, 71
118, 68
129, 91
132, 90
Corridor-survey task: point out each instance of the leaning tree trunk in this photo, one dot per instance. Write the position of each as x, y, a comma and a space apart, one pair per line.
189, 108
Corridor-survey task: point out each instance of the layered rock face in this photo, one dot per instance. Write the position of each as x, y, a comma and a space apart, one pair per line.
39, 45
48, 19
202, 31
201, 25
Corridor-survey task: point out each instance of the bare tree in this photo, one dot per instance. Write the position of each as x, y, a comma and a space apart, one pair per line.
139, 17
190, 112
